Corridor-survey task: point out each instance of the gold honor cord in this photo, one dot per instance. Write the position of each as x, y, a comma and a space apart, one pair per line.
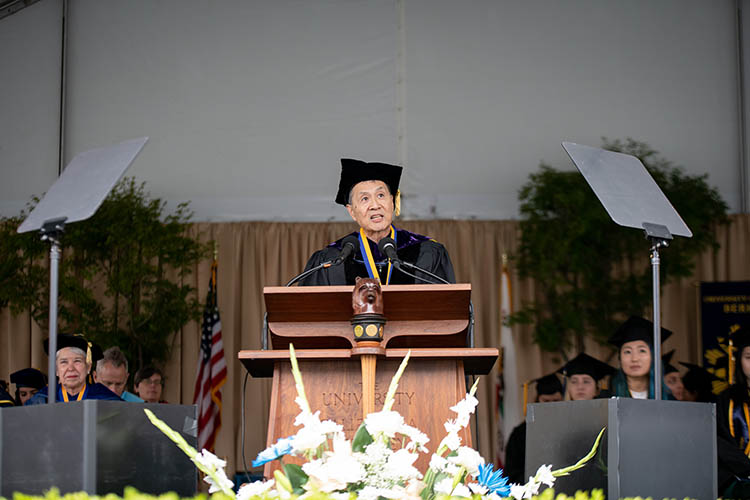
372, 269
746, 411
80, 394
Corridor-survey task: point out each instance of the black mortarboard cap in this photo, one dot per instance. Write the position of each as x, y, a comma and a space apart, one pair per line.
28, 377
549, 384
740, 339
586, 365
667, 361
67, 340
697, 378
356, 171
637, 328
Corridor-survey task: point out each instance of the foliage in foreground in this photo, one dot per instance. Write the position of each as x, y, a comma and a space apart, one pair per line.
133, 494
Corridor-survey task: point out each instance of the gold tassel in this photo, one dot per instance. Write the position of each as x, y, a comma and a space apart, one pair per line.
397, 203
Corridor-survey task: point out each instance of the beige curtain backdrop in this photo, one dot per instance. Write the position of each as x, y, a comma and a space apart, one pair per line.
253, 255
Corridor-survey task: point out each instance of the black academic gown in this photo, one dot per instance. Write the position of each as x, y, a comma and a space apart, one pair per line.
90, 391
411, 247
515, 455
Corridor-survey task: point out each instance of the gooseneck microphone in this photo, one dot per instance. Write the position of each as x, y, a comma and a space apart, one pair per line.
387, 247
349, 246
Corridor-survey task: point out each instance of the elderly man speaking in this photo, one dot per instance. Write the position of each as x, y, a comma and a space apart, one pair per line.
369, 191
72, 366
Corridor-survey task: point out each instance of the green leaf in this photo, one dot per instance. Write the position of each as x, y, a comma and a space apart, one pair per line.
297, 477
362, 438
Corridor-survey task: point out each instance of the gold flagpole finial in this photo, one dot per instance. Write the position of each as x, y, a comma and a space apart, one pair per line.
216, 251
505, 259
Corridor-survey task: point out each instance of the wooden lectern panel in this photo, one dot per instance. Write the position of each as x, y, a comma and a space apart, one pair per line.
427, 390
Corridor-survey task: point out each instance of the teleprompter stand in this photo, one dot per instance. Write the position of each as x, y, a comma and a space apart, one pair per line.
632, 198
75, 196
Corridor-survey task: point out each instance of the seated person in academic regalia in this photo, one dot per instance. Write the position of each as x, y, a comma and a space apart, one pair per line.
28, 382
112, 372
72, 367
672, 376
583, 374
6, 400
635, 378
548, 389
698, 384
732, 418
369, 191
149, 384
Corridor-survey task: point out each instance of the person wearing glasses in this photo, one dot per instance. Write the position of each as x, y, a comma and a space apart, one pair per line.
149, 383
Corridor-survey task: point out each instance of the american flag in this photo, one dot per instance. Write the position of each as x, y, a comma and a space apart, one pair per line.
212, 370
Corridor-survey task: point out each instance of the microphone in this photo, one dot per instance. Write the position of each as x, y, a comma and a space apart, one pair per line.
388, 248
348, 247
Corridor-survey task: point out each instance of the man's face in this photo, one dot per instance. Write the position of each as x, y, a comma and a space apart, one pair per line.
674, 382
71, 369
114, 377
371, 206
25, 393
149, 389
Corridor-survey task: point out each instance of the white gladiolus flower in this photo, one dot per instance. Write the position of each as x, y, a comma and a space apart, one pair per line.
209, 460
452, 426
478, 488
256, 488
466, 406
544, 475
387, 422
224, 482
527, 490
469, 459
451, 440
417, 438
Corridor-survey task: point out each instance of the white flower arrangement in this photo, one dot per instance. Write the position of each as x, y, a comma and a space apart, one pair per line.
377, 463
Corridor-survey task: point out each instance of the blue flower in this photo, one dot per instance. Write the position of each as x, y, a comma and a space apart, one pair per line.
494, 481
282, 447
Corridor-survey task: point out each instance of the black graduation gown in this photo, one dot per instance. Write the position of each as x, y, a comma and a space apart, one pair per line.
413, 248
733, 466
515, 455
6, 400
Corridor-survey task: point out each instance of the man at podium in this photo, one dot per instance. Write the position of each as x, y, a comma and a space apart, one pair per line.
369, 191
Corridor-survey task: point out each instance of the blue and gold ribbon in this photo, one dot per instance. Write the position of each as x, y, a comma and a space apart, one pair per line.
80, 393
372, 269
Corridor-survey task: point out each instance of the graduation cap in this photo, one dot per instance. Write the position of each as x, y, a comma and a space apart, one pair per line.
667, 361
548, 384
637, 328
28, 377
699, 380
583, 364
67, 340
355, 171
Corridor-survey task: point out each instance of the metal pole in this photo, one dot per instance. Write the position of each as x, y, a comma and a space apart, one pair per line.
656, 320
54, 261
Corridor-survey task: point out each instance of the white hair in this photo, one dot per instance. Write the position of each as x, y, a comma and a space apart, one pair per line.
75, 350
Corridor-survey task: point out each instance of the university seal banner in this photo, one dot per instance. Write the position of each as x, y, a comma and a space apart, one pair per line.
725, 305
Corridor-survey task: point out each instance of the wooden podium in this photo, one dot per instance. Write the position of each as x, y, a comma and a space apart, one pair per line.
431, 320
